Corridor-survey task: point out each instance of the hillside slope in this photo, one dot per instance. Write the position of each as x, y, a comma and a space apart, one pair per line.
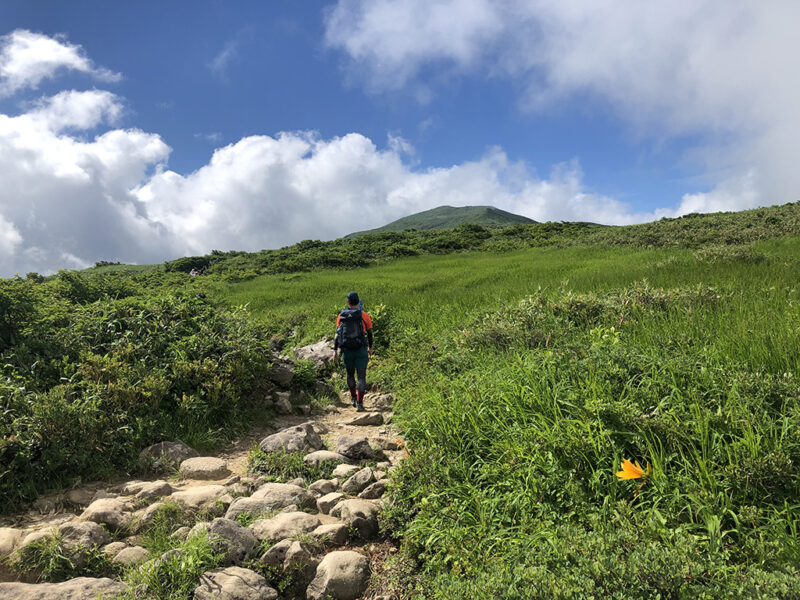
447, 217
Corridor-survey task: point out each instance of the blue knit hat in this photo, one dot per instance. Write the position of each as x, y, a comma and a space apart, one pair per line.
352, 298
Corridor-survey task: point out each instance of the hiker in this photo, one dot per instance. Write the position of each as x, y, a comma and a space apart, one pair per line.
354, 337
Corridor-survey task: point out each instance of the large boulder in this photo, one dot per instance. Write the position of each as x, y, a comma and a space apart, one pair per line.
361, 515
357, 448
321, 353
281, 372
229, 538
358, 481
112, 512
271, 496
204, 467
168, 454
284, 525
233, 583
82, 588
342, 575
81, 536
301, 438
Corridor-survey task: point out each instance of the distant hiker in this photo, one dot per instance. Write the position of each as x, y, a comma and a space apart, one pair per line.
354, 337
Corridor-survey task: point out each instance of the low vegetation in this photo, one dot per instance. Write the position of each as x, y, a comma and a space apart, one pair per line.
528, 363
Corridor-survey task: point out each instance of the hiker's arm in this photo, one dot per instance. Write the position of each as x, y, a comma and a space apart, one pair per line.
369, 338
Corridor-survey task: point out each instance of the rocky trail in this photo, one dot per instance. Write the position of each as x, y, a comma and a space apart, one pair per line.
320, 539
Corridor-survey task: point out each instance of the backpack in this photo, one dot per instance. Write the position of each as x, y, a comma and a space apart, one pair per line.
351, 329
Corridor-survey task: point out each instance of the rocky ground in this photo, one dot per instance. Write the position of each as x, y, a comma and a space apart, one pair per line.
322, 535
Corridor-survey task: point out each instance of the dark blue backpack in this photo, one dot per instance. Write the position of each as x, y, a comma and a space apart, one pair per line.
351, 329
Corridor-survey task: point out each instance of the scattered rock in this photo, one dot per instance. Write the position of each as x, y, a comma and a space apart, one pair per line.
331, 535
276, 554
80, 536
82, 588
80, 496
133, 555
284, 525
181, 533
301, 438
233, 583
228, 537
323, 388
283, 403
154, 489
9, 540
304, 409
379, 474
328, 501
112, 512
321, 353
271, 496
358, 481
169, 454
114, 548
323, 456
376, 490
343, 471
281, 372
357, 448
380, 402
203, 496
322, 487
359, 514
204, 467
342, 575
300, 562
298, 481
233, 479
373, 418
103, 494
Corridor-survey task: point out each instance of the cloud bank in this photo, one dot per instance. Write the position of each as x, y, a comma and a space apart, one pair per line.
721, 71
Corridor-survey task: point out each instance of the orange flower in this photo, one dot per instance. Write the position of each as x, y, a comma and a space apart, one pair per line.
633, 471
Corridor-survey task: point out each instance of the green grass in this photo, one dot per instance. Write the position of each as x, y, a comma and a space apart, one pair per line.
524, 378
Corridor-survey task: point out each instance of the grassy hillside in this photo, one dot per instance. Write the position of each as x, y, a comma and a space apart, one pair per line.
447, 217
528, 362
525, 378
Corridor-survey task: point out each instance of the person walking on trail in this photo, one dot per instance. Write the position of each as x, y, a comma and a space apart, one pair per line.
354, 337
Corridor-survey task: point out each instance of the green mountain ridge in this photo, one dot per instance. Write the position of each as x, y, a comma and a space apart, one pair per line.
447, 217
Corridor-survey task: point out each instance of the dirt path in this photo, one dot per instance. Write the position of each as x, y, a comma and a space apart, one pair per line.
76, 506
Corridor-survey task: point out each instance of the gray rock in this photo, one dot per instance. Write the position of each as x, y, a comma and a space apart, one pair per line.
202, 496
271, 496
82, 536
379, 474
80, 496
233, 583
168, 453
328, 501
343, 471
321, 353
298, 481
373, 418
284, 525
304, 409
144, 518
358, 481
323, 456
281, 372
376, 490
133, 555
379, 401
342, 575
324, 389
112, 512
331, 535
356, 448
154, 489
233, 479
359, 514
114, 548
82, 588
283, 403
301, 438
300, 562
322, 487
228, 537
204, 467
181, 533
276, 554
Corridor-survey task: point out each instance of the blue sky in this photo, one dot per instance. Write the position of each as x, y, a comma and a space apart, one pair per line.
158, 129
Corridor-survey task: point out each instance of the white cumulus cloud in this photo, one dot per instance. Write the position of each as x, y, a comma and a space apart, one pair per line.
27, 57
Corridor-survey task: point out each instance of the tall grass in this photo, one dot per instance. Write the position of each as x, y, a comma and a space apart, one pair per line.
525, 378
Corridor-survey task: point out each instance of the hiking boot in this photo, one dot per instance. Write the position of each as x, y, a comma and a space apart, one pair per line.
360, 407
354, 401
